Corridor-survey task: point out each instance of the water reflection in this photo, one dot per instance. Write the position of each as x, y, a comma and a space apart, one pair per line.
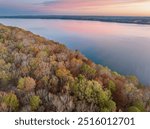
124, 48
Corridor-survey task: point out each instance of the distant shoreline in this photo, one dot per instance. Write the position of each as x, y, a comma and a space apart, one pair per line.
117, 19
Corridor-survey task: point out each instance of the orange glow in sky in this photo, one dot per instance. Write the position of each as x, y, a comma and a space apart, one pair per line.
135, 9
99, 7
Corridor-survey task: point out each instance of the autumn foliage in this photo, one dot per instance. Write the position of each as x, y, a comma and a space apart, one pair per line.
37, 74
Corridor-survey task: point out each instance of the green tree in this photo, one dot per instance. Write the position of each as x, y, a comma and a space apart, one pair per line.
110, 106
26, 83
139, 104
88, 71
11, 101
5, 75
92, 92
111, 86
62, 73
35, 102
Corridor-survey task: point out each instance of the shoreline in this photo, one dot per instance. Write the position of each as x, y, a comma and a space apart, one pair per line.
111, 19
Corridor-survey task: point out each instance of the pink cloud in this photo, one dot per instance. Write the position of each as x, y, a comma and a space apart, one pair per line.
81, 5
76, 3
78, 7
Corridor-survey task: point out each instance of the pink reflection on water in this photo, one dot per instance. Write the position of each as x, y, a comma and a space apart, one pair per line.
103, 28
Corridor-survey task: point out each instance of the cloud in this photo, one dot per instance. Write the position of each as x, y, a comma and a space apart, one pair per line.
83, 6
78, 4
16, 8
89, 2
65, 6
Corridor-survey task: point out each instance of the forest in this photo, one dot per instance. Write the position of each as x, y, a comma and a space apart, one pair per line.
41, 75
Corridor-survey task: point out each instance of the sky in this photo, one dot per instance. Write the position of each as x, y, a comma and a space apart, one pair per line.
75, 7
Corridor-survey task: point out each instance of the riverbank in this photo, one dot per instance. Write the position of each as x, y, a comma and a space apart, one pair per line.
117, 19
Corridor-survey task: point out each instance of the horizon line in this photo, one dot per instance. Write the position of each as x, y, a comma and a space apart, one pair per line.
71, 15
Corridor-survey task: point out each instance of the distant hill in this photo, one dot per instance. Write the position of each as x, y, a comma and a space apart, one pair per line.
118, 19
37, 74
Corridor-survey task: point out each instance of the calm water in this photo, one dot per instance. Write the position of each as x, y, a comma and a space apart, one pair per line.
124, 48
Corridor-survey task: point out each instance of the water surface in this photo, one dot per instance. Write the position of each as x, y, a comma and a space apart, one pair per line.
124, 48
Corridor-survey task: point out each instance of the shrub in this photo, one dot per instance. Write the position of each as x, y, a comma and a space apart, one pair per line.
133, 109
11, 101
35, 102
26, 83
